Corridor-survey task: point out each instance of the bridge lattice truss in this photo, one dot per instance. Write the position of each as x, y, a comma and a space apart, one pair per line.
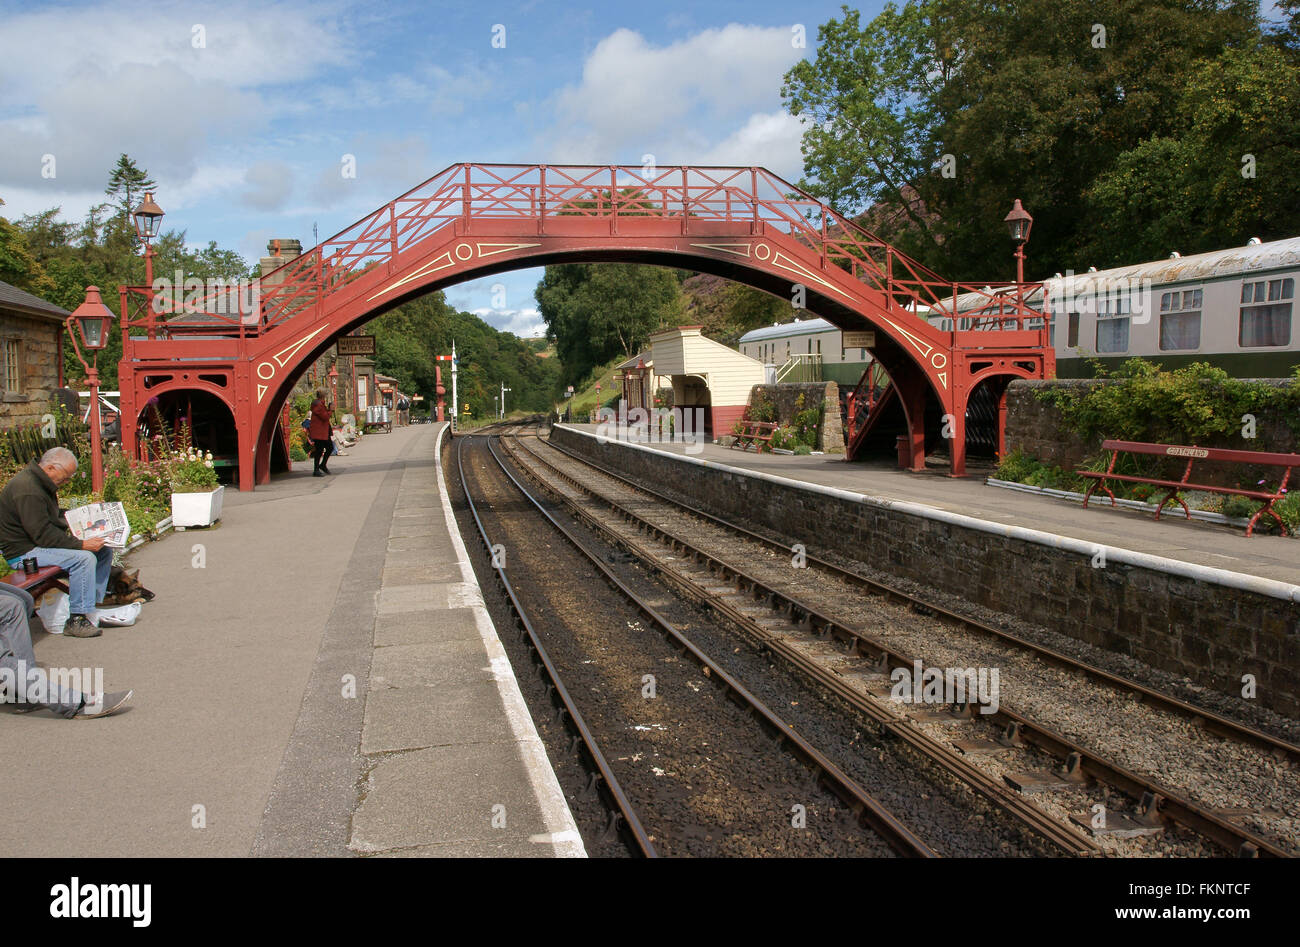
471, 219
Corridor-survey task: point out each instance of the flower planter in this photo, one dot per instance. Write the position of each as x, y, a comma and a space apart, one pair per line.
197, 509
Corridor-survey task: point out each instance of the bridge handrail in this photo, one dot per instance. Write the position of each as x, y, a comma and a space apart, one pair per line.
465, 192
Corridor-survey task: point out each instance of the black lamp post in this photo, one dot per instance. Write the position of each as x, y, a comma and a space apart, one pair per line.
90, 321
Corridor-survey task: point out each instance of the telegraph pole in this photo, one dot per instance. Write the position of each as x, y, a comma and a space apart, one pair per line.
455, 400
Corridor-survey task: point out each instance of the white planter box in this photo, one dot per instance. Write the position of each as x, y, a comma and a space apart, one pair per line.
197, 509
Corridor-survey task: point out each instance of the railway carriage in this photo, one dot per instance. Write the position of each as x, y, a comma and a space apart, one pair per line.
1233, 308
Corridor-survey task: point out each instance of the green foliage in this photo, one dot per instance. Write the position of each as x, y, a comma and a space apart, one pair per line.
761, 408
595, 312
1289, 509
1019, 467
802, 450
1240, 507
806, 422
409, 338
296, 452
1196, 404
1146, 131
191, 471
785, 437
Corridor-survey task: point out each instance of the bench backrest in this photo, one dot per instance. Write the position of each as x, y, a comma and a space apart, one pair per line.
1181, 452
760, 425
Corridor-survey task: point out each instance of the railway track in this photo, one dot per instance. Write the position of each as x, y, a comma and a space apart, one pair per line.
611, 633
794, 626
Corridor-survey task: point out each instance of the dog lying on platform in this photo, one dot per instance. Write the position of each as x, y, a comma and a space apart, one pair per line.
124, 588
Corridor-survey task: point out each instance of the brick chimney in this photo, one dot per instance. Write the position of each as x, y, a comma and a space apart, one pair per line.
280, 252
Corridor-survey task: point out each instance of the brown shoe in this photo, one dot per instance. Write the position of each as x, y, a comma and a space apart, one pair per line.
79, 626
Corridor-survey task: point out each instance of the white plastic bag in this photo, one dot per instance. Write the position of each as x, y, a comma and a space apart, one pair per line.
121, 616
54, 611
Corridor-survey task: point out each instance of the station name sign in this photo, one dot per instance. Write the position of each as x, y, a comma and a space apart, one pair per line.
356, 345
859, 340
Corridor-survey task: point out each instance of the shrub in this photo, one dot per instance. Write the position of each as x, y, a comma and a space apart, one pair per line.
191, 471
1240, 507
1289, 509
296, 452
802, 450
785, 437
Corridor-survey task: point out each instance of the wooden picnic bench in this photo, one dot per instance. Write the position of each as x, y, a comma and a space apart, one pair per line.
36, 585
754, 433
1193, 456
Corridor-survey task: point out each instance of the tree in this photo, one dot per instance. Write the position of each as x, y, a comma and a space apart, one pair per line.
126, 184
972, 103
594, 312
1226, 177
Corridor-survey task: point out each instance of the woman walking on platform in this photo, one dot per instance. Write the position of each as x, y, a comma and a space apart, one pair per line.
319, 432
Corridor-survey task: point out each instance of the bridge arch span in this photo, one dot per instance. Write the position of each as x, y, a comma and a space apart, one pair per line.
744, 224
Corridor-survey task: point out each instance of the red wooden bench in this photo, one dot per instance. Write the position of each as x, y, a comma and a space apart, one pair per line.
754, 432
44, 579
1193, 455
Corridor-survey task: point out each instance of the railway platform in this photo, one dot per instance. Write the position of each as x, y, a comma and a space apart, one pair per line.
317, 676
1171, 538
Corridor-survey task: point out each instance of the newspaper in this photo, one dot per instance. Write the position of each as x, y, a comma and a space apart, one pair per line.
100, 520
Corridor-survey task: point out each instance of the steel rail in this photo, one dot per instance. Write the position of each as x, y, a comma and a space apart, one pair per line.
868, 810
622, 804
994, 791
1170, 803
1203, 717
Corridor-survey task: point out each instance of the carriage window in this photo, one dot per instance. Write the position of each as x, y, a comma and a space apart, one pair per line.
1180, 320
1112, 333
1072, 331
1269, 324
1180, 330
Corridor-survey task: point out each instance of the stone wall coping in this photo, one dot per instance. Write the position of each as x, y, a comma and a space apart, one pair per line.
1187, 570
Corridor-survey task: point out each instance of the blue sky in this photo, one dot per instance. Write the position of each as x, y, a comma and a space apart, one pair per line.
243, 112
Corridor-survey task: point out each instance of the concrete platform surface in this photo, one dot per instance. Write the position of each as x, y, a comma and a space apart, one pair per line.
317, 676
1172, 537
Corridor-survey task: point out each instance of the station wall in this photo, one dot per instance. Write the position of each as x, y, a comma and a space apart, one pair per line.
1210, 633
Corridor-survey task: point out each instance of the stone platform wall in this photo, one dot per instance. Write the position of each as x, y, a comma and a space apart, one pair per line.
1209, 632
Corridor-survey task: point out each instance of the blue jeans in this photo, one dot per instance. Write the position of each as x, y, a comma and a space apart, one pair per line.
87, 573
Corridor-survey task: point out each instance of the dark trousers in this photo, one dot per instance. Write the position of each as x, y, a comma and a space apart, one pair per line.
320, 455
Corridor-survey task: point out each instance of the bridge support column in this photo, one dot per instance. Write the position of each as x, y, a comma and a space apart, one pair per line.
955, 426
911, 392
246, 457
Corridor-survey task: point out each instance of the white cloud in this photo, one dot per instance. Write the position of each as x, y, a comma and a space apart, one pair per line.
246, 44
768, 139
635, 98
161, 116
525, 323
269, 184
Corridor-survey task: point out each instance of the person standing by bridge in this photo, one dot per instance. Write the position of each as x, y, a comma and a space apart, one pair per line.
319, 432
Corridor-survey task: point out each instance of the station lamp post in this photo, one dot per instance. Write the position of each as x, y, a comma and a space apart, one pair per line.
1018, 224
148, 216
334, 386
91, 320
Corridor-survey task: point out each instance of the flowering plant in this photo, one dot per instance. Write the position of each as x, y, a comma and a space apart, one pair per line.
191, 471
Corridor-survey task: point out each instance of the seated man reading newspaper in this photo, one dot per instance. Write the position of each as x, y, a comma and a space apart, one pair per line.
32, 526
